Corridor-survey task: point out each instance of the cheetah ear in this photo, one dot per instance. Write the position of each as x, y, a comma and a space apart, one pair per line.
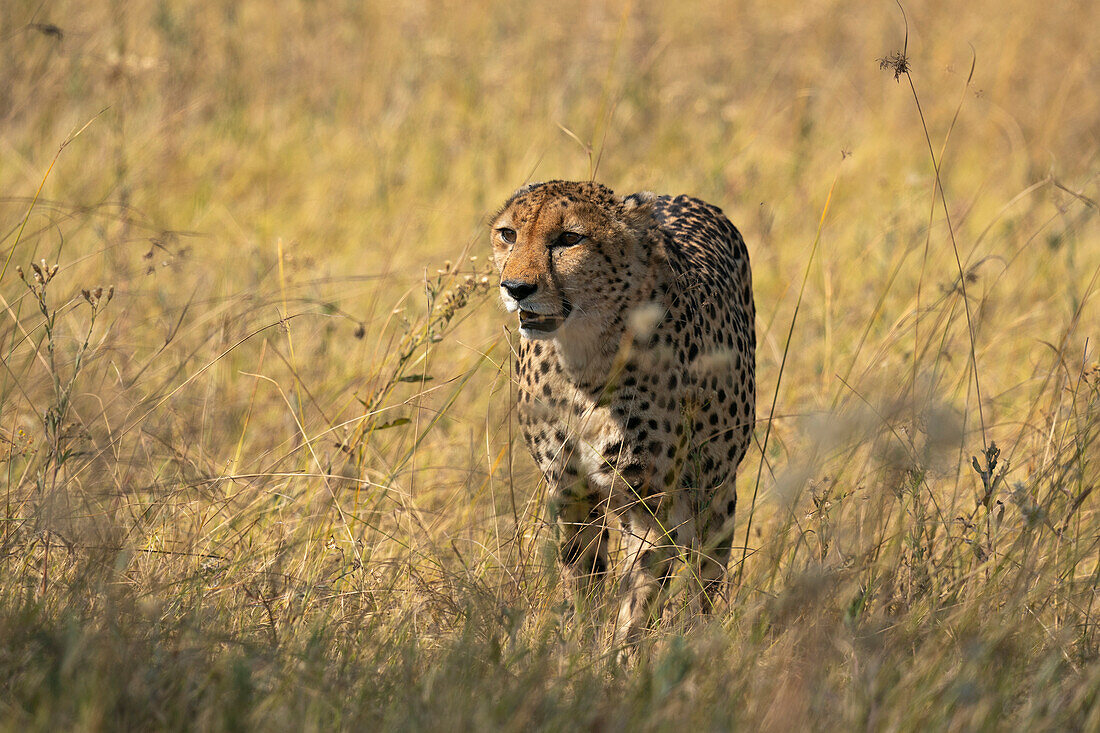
638, 208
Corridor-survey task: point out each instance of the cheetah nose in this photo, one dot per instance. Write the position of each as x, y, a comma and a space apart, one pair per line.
519, 289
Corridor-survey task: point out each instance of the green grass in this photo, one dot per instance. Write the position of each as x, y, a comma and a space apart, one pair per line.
273, 481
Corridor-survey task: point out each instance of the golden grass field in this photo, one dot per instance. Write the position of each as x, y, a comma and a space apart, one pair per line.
271, 479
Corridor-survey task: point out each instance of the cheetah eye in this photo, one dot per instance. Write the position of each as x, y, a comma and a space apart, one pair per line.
508, 235
568, 239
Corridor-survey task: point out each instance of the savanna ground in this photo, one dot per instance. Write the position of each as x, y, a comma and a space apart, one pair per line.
268, 477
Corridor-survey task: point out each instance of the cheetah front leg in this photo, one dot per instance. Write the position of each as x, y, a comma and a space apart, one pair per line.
581, 525
651, 541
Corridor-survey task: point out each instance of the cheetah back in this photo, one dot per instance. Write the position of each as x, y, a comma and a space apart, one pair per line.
711, 308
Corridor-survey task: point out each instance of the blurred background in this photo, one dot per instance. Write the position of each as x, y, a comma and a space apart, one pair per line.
281, 447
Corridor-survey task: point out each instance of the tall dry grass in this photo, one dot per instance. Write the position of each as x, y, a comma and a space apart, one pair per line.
258, 463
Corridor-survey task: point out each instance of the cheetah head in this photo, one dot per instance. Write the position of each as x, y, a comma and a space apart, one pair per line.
570, 257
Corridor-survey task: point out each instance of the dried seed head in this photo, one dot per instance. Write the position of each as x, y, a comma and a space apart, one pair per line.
896, 62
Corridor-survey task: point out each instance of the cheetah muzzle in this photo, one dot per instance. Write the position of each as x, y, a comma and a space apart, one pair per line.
636, 376
545, 323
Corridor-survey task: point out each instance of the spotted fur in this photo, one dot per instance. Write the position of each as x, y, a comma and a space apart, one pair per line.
636, 378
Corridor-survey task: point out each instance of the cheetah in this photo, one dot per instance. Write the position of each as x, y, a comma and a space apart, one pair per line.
636, 380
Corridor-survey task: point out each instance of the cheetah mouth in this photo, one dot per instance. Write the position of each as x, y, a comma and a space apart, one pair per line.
544, 322
539, 321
